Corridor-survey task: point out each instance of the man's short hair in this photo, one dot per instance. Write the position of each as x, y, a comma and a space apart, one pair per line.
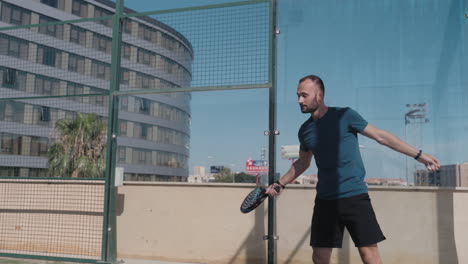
316, 80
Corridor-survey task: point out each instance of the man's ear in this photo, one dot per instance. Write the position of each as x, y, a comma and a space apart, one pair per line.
320, 96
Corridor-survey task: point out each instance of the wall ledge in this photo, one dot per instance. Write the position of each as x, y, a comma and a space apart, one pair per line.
296, 186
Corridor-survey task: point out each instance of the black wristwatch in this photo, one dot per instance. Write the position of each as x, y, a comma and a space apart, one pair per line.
419, 155
282, 186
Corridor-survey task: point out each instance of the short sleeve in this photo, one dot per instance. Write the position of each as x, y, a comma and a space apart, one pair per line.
355, 121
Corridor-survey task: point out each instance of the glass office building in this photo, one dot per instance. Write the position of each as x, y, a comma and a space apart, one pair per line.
74, 59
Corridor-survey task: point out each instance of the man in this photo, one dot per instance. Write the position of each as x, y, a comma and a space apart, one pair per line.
330, 135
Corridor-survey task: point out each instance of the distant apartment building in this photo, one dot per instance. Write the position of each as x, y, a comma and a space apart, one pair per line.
385, 181
74, 59
306, 179
454, 175
199, 170
198, 175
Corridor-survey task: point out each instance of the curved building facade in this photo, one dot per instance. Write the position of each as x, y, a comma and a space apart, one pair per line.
74, 59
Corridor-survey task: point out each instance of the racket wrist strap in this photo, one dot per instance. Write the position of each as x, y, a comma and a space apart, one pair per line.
280, 184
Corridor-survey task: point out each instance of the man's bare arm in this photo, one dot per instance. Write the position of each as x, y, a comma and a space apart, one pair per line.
299, 166
388, 139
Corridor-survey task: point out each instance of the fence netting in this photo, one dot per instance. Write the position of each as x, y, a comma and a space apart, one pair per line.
57, 89
55, 81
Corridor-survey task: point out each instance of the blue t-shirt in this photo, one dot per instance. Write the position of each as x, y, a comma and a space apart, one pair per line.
333, 140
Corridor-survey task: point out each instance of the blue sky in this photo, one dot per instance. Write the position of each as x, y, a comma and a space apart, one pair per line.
375, 57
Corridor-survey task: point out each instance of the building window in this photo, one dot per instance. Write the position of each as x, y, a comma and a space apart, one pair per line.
98, 99
101, 12
100, 70
144, 57
18, 49
147, 33
171, 66
80, 8
123, 127
11, 111
124, 103
75, 89
144, 81
76, 64
78, 35
127, 26
125, 77
9, 77
102, 43
141, 130
15, 15
10, 144
169, 113
168, 42
60, 4
4, 42
52, 3
46, 86
146, 131
13, 78
141, 156
136, 130
44, 114
143, 105
9, 171
126, 51
49, 56
39, 147
14, 47
122, 154
55, 31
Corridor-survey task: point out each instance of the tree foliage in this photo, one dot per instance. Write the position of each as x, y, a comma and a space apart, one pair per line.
225, 175
80, 148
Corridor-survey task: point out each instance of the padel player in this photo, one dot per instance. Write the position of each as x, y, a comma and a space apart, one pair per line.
330, 135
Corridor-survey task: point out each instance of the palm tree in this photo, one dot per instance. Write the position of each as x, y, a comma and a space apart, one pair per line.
80, 148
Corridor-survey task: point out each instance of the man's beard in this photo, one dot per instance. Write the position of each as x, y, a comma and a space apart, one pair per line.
308, 109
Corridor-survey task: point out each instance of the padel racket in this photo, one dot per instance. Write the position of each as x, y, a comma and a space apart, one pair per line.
254, 199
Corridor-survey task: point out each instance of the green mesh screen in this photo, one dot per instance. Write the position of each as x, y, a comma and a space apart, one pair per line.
47, 217
214, 47
54, 108
52, 156
54, 85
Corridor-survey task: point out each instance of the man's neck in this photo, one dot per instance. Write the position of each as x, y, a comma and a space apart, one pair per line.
320, 112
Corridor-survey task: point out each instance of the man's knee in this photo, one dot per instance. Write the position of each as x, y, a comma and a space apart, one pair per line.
370, 254
321, 255
319, 259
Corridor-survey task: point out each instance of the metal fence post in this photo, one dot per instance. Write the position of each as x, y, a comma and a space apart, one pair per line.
272, 237
109, 229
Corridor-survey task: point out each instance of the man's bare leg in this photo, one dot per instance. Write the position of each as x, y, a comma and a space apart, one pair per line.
370, 254
321, 255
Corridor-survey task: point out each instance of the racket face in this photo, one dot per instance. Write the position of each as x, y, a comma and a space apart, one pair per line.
253, 199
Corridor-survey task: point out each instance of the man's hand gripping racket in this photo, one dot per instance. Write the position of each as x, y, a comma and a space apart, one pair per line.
258, 195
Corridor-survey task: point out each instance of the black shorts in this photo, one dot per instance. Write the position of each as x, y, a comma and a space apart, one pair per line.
355, 213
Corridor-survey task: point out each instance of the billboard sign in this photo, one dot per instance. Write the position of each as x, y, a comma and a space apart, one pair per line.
256, 166
290, 152
216, 169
